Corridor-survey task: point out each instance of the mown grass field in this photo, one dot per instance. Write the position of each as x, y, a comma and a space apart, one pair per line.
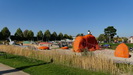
38, 67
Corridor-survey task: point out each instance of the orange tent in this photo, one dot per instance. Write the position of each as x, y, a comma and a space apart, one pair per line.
88, 41
79, 44
122, 51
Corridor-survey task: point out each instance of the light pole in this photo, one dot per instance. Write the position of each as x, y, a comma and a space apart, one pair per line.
109, 38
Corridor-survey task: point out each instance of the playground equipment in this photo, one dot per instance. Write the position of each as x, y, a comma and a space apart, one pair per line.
64, 47
88, 42
62, 44
10, 41
43, 47
91, 42
122, 51
79, 44
45, 44
65, 44
27, 43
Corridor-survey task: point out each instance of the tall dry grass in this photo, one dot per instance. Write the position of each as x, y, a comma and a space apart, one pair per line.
88, 62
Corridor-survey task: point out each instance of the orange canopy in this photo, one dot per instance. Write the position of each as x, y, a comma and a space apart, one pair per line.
122, 51
88, 41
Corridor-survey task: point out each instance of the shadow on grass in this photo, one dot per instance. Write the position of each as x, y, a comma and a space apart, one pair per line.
22, 68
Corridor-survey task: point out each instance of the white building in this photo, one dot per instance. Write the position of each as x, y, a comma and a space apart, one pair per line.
130, 39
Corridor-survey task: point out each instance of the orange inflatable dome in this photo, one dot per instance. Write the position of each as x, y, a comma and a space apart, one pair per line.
85, 42
122, 51
43, 47
64, 47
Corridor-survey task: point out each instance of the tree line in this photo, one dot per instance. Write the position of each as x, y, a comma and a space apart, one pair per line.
109, 34
29, 35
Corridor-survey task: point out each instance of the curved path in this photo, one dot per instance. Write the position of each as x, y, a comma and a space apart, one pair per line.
6, 70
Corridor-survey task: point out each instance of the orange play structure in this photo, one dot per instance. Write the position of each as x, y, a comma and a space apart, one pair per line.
85, 42
43, 47
64, 47
122, 51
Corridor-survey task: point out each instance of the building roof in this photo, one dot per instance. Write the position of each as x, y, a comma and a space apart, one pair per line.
131, 36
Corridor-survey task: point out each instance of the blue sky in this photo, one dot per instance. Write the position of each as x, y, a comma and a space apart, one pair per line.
68, 16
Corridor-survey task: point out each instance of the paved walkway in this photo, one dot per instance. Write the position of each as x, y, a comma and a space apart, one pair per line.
6, 70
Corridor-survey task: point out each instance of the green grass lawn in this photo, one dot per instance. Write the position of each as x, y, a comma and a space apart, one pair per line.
114, 45
37, 67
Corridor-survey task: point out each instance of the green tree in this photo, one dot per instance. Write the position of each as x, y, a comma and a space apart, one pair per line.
70, 37
77, 35
66, 36
54, 36
25, 33
5, 33
101, 37
19, 34
115, 39
125, 39
40, 35
81, 34
60, 36
30, 35
110, 32
47, 35
0, 36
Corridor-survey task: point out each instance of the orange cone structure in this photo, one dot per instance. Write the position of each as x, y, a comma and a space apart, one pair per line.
88, 41
122, 51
